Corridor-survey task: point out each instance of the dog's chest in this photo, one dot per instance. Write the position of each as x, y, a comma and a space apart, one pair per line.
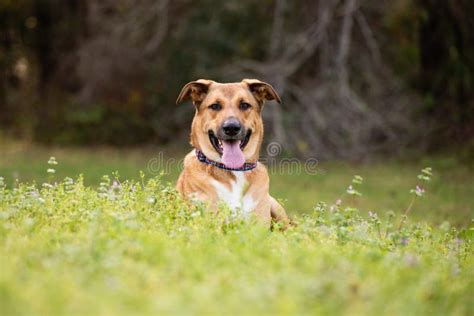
237, 197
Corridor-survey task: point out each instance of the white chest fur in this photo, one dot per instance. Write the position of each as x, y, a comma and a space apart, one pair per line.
237, 198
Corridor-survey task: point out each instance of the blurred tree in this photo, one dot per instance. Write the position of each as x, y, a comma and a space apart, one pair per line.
60, 28
446, 74
351, 73
12, 71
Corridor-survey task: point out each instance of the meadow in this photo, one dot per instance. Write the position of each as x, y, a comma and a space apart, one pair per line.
450, 195
125, 243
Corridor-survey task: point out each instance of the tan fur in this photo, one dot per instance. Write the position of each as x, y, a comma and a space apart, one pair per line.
197, 181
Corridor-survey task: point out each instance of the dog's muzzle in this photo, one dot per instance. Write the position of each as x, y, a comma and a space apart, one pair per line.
216, 140
231, 129
230, 141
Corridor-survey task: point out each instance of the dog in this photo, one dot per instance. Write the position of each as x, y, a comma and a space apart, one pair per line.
227, 133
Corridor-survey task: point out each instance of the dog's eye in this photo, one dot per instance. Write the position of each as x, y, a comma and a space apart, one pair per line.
244, 106
215, 107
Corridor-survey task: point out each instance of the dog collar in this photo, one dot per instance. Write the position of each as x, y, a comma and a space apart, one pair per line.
202, 158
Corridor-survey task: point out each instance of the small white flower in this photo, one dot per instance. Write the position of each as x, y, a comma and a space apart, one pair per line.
47, 185
151, 200
350, 189
52, 161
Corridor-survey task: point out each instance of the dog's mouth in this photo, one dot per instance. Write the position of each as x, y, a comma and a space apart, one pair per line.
230, 150
218, 143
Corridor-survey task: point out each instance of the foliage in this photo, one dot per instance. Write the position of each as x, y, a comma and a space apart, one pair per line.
441, 70
385, 188
351, 73
136, 247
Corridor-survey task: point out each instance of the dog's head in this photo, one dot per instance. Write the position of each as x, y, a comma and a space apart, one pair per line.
227, 126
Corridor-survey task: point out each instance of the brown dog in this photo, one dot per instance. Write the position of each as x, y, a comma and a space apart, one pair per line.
227, 133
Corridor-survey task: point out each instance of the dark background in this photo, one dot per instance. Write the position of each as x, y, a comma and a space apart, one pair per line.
358, 79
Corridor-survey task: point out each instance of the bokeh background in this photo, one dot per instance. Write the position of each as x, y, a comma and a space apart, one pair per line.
95, 82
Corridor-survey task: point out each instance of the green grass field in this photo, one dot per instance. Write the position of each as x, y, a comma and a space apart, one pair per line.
450, 195
133, 247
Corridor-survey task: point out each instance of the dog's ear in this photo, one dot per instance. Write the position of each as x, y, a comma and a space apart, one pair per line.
262, 90
194, 90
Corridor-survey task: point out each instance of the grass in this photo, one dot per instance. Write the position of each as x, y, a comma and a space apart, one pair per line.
133, 247
450, 195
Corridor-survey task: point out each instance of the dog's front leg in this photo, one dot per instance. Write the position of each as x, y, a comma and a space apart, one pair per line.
278, 213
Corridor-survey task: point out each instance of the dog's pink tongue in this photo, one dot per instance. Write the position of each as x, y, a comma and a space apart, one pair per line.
232, 155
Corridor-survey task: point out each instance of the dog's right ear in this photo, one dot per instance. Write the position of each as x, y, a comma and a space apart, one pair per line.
194, 90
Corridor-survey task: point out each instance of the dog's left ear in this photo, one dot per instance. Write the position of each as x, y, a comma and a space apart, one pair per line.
194, 90
261, 90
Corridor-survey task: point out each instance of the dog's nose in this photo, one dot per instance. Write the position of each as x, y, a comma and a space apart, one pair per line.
231, 127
